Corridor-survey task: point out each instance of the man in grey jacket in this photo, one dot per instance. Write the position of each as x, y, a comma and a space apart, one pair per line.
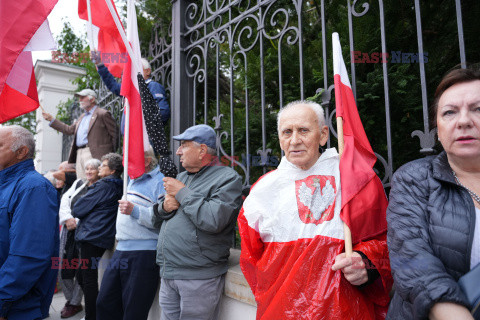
198, 217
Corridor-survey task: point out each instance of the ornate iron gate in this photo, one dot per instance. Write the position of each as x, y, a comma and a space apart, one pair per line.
233, 63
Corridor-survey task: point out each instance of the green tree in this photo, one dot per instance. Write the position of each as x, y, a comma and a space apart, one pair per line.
73, 50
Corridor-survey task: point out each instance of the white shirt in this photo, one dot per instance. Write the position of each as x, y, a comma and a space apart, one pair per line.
475, 257
65, 211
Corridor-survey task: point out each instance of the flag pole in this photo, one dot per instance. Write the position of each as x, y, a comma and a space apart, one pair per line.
346, 230
89, 11
126, 139
127, 105
124, 36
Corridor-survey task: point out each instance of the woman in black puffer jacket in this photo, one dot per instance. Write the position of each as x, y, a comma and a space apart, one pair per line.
434, 212
97, 211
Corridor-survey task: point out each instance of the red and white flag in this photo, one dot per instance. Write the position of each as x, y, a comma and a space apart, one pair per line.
138, 138
105, 35
23, 28
364, 202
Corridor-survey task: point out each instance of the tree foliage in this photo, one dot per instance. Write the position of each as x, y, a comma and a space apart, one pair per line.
73, 50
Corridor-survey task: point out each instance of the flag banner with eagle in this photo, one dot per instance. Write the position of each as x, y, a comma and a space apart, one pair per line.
291, 232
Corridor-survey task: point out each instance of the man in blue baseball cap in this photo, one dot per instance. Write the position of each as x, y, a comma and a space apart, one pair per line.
197, 218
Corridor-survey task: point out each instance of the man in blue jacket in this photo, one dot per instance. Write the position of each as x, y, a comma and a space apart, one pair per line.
155, 88
28, 230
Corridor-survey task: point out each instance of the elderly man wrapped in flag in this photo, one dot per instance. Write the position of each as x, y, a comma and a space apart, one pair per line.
292, 225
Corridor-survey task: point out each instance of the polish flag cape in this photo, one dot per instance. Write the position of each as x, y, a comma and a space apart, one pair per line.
23, 28
105, 35
291, 232
138, 137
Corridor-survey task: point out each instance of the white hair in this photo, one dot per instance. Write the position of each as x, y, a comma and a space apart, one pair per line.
149, 153
22, 137
95, 163
146, 64
315, 107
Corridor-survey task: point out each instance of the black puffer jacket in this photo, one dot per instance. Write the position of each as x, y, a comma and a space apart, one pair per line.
97, 211
431, 222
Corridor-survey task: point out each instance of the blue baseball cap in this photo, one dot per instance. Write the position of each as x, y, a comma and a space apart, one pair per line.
201, 133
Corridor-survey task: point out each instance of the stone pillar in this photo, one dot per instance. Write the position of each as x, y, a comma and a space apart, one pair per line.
54, 85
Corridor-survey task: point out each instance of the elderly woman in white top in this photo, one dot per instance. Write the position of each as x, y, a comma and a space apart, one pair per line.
70, 286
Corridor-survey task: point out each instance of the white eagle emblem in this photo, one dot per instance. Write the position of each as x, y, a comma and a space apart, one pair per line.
319, 200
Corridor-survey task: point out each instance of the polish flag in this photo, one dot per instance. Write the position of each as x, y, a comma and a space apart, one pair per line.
105, 35
291, 232
364, 202
23, 28
138, 138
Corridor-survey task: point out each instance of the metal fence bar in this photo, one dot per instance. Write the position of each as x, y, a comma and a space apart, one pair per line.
461, 44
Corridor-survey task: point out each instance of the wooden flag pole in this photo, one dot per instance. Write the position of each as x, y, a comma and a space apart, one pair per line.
346, 229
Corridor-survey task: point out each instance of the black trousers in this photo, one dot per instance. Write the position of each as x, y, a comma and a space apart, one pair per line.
129, 285
88, 276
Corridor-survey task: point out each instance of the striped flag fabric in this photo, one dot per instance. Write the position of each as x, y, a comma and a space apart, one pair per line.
23, 28
364, 203
138, 138
105, 34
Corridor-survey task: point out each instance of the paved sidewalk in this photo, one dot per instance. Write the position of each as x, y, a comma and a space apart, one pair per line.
57, 305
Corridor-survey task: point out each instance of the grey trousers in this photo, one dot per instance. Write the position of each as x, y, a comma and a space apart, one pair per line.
72, 291
191, 299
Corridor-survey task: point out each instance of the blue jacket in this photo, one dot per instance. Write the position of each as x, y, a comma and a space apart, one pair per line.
28, 242
156, 89
97, 211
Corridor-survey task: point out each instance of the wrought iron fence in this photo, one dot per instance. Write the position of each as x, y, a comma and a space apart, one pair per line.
233, 64
236, 63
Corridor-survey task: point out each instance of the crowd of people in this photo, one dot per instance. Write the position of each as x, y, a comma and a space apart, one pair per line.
172, 236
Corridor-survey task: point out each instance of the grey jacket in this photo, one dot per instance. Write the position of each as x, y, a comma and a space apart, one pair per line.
195, 243
431, 222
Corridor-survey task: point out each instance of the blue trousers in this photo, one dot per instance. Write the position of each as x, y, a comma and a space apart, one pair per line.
129, 285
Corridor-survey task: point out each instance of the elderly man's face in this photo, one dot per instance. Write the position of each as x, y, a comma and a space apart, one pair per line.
86, 102
190, 155
300, 136
7, 156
